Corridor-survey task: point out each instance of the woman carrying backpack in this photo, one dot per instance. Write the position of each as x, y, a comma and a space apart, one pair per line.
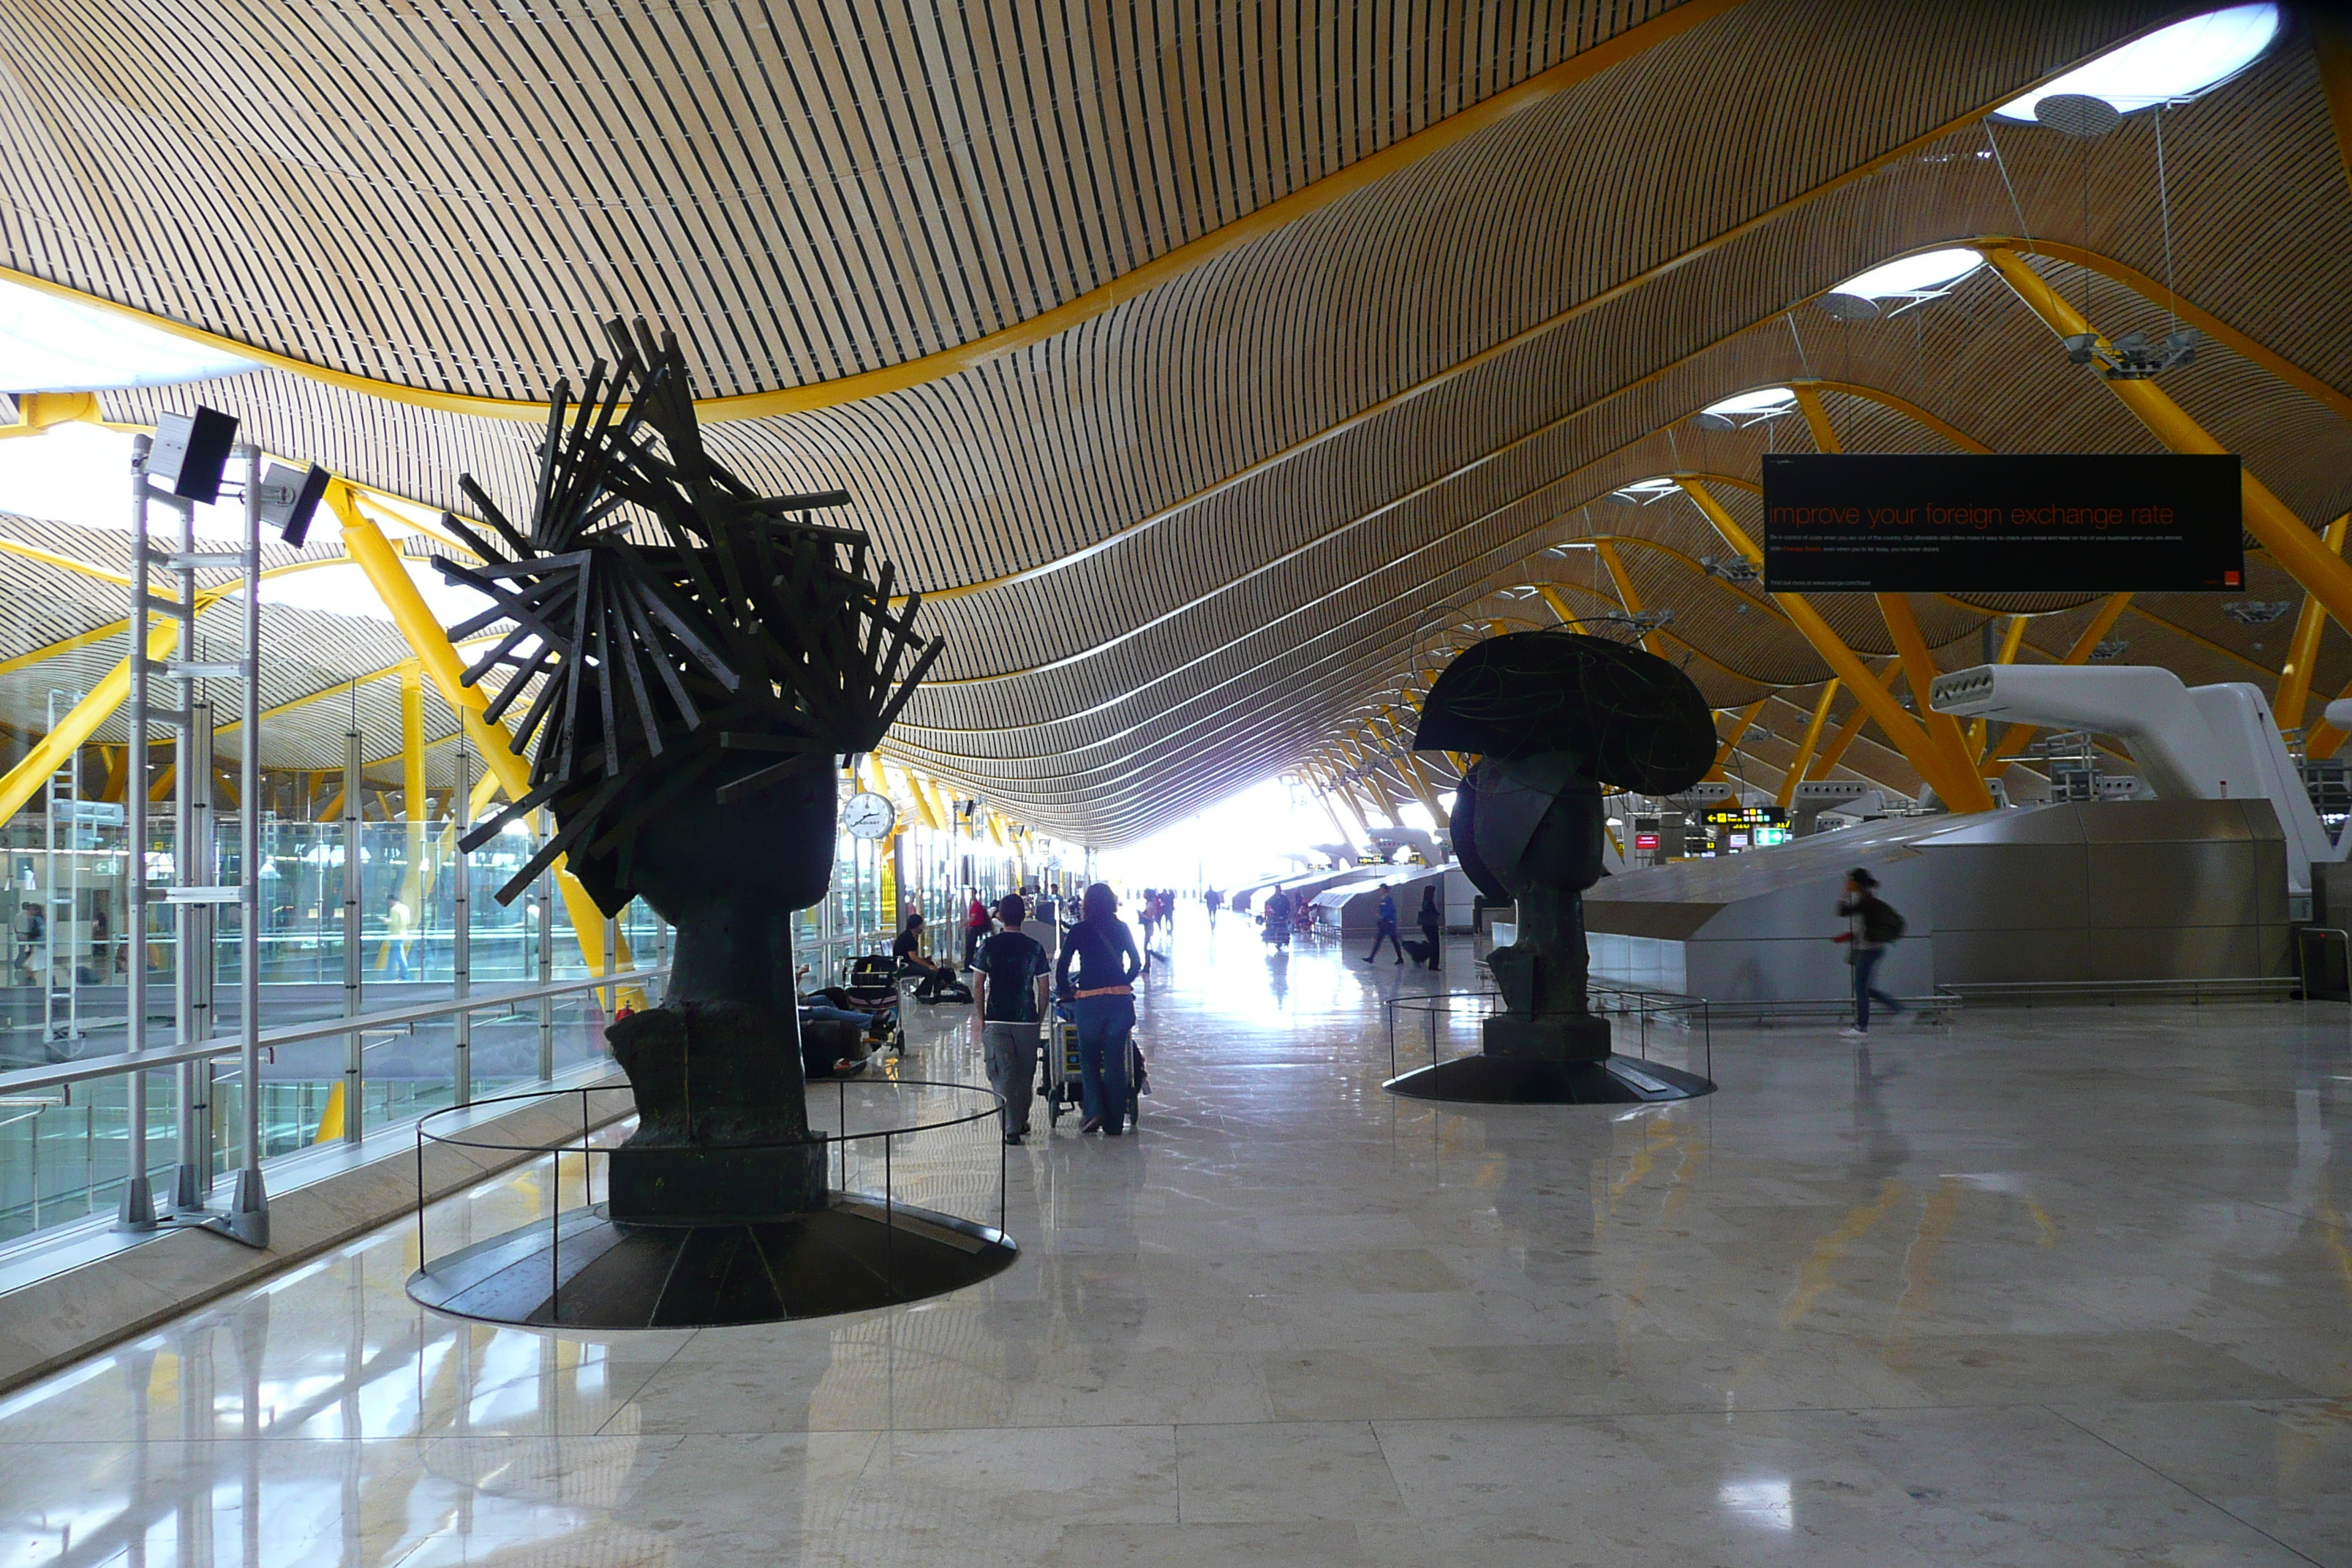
1872, 927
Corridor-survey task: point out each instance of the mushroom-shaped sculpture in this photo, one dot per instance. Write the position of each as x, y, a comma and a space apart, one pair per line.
1552, 716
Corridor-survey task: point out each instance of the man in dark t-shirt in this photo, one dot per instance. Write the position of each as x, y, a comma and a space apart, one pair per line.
1009, 984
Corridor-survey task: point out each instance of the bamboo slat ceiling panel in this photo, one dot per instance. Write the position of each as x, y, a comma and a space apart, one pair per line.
1176, 541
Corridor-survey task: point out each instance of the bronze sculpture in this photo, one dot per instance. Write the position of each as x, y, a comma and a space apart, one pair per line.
1553, 717
693, 661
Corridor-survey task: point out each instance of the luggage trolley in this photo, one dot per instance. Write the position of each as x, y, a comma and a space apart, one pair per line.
1063, 1084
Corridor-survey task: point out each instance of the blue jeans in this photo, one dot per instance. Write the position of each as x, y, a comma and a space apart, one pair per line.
1104, 1023
1865, 966
397, 964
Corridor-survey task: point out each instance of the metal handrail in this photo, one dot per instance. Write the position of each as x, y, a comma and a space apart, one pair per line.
87, 1068
992, 1105
1647, 1005
2220, 986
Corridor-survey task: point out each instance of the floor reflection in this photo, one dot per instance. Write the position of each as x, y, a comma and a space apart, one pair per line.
2038, 1288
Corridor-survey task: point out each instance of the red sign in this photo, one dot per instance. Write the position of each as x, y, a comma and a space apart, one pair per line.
1645, 841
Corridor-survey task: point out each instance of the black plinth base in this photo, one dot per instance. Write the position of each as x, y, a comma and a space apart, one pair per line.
587, 1271
676, 1185
1554, 1040
1524, 1081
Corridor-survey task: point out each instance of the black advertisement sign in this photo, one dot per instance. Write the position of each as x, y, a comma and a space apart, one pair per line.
1916, 523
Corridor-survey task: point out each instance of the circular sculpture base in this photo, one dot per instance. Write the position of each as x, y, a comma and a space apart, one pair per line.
589, 1271
1532, 1080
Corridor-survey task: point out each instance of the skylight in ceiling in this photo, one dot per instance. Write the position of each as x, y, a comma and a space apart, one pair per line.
1913, 277
48, 344
1745, 408
2168, 65
1642, 492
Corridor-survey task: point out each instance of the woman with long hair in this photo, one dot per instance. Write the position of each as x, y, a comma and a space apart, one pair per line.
1102, 1002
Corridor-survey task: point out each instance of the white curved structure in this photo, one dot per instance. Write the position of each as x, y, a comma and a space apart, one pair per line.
2203, 743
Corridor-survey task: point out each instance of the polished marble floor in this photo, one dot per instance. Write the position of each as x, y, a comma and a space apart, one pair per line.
2059, 1286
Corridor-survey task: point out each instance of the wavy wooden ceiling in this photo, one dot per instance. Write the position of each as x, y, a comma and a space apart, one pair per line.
1184, 538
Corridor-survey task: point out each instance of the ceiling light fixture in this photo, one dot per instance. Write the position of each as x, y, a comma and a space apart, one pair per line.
2256, 612
2134, 356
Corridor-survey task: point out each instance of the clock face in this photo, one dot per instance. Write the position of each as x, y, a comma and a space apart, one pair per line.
869, 816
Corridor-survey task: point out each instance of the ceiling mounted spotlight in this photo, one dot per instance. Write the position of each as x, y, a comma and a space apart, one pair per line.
1843, 307
2112, 649
2134, 356
2077, 114
1733, 569
2256, 612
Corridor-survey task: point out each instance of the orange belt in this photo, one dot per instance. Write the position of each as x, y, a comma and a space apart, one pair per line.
1106, 990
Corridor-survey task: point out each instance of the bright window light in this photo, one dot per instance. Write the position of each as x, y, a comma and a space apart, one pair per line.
344, 590
49, 344
1912, 275
2168, 65
1768, 400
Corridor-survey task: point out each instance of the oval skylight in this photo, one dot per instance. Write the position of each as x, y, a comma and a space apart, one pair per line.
1912, 275
49, 344
1765, 400
2165, 67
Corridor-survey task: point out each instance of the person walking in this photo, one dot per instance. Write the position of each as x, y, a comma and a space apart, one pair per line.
1872, 927
1102, 1002
1388, 927
1215, 901
1009, 984
398, 922
1432, 921
975, 927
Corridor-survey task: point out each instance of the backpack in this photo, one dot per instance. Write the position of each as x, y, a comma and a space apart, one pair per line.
1879, 923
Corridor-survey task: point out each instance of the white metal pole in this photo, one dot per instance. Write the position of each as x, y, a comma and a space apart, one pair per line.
137, 1210
461, 961
354, 1075
249, 1214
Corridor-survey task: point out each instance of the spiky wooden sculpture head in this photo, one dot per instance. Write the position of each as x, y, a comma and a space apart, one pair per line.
683, 642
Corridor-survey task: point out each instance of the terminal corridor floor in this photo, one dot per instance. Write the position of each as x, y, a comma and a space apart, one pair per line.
2059, 1286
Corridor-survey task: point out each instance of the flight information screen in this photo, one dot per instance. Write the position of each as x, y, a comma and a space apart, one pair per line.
1918, 524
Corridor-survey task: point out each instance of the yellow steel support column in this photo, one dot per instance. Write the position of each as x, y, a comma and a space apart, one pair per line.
2014, 739
1805, 747
1942, 730
2303, 648
2293, 546
1898, 727
1848, 732
1414, 778
1817, 419
2010, 640
2323, 738
922, 801
1716, 774
1327, 790
374, 554
1626, 593
24, 780
1372, 789
1559, 605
